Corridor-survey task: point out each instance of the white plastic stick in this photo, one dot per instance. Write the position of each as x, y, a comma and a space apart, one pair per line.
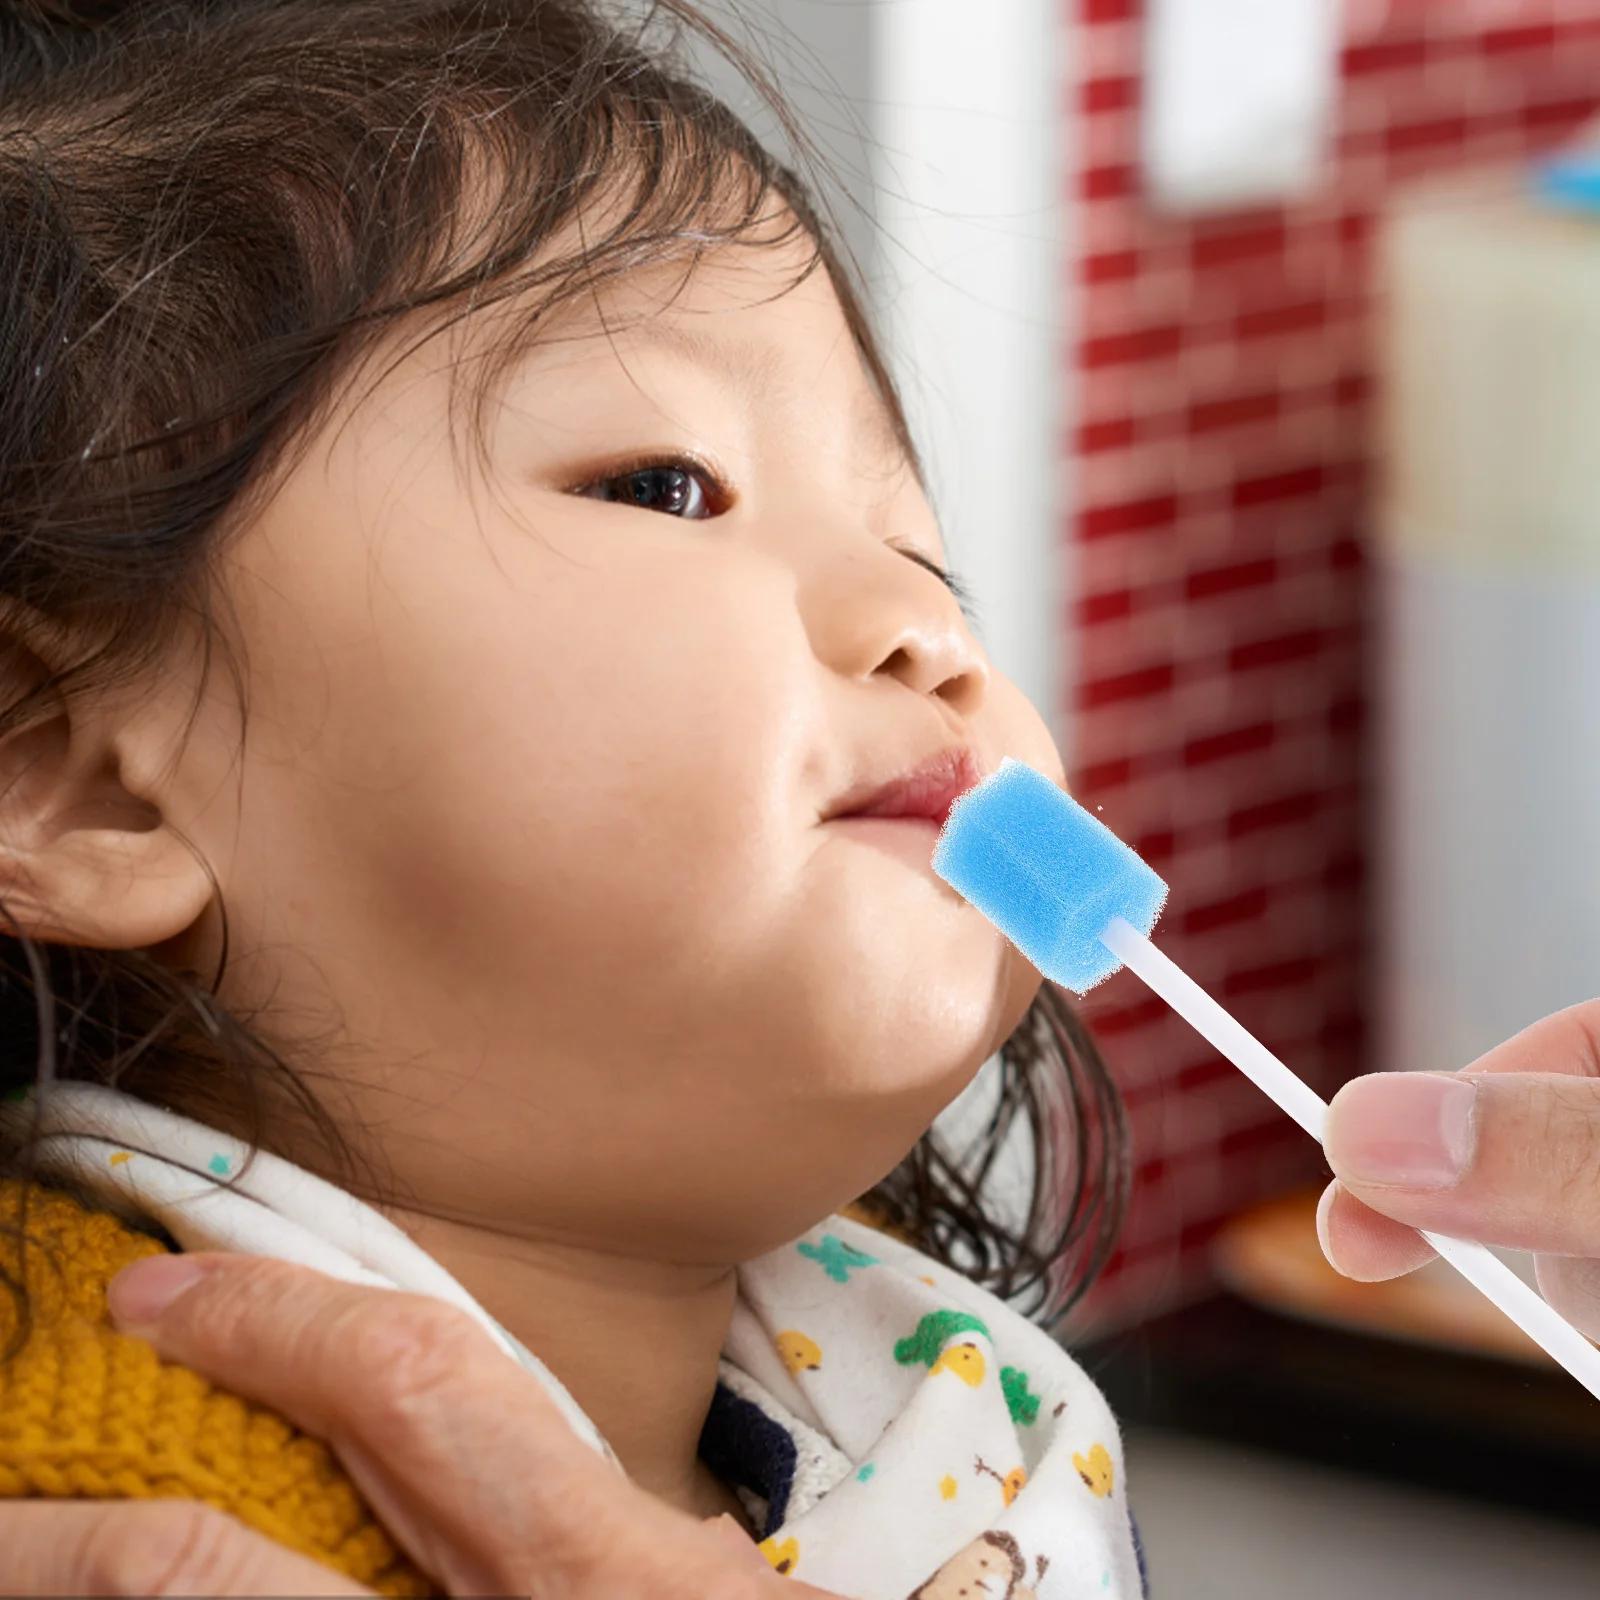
1484, 1270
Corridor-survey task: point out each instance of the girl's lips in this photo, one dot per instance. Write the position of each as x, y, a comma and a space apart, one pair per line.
907, 839
926, 792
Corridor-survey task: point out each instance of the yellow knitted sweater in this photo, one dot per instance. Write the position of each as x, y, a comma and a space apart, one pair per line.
90, 1413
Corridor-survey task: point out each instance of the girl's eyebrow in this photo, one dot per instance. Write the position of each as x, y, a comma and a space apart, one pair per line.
755, 371
750, 368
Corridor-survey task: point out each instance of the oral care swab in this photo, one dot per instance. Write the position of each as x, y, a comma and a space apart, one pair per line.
1079, 904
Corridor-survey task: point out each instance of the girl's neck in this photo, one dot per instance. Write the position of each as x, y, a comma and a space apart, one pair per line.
637, 1342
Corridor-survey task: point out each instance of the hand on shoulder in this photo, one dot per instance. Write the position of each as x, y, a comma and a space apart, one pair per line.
466, 1460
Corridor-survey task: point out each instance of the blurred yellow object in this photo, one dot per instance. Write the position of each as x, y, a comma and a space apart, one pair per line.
1270, 1255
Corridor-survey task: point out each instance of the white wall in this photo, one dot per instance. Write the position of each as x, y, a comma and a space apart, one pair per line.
967, 122
821, 52
943, 123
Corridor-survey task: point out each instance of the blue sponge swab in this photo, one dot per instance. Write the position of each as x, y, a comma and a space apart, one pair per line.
1079, 904
1046, 873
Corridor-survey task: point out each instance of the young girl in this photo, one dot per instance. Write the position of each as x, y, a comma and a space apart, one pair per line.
480, 694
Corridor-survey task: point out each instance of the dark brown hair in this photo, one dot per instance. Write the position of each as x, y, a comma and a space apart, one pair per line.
210, 210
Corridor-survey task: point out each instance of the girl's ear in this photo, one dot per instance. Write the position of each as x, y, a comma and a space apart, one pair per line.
87, 855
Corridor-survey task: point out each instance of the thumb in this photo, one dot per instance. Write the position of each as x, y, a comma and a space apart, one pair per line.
1503, 1157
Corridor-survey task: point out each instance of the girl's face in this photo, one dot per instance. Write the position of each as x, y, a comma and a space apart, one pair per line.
538, 759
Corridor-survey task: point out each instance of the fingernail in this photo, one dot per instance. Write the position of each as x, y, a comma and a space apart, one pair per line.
140, 1293
1409, 1130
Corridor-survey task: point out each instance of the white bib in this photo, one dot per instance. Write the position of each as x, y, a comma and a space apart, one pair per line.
896, 1432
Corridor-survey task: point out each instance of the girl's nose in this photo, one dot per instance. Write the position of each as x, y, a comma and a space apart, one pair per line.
879, 613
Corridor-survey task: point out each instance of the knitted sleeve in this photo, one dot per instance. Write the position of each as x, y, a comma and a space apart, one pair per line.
88, 1412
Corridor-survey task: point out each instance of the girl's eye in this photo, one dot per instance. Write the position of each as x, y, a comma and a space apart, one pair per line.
673, 488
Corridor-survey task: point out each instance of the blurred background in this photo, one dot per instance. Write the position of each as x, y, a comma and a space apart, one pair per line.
1255, 349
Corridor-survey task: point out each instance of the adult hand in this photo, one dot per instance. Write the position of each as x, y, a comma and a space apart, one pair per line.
1505, 1152
458, 1451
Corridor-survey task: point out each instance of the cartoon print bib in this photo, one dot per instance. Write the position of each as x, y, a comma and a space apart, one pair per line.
901, 1434
984, 1465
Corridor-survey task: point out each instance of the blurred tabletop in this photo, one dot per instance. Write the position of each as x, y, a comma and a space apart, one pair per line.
1221, 1522
1274, 1455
